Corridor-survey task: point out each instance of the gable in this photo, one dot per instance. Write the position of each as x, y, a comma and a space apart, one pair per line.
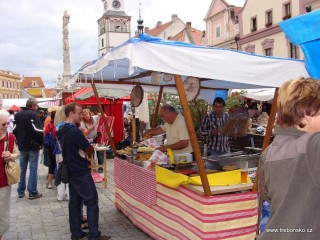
32, 82
216, 7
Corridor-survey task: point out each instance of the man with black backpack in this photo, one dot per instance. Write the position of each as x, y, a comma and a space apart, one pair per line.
75, 148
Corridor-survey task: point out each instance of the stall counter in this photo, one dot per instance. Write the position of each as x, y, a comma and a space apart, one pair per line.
180, 213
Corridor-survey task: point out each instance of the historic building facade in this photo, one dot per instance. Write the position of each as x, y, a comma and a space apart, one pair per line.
259, 29
222, 25
10, 84
114, 27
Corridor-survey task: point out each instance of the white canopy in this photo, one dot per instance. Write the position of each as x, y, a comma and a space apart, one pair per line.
21, 102
133, 61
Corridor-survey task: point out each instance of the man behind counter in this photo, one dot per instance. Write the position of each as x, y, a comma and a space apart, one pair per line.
212, 123
175, 129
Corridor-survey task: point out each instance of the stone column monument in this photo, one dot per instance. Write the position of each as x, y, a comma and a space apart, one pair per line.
66, 75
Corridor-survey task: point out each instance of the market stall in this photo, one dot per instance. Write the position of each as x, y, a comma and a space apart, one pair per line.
185, 211
112, 102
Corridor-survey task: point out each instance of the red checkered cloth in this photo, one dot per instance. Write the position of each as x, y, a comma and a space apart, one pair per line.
122, 176
135, 181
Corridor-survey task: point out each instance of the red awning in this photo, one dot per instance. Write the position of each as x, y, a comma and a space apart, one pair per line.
92, 99
14, 108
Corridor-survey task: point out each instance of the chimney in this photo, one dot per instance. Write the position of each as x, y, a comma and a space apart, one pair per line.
146, 29
174, 17
188, 26
159, 23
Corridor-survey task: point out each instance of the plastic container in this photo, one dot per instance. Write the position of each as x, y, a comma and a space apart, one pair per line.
183, 158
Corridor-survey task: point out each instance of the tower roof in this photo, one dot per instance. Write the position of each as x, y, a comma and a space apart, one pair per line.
111, 13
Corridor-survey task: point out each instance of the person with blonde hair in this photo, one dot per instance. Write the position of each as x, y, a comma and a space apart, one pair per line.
290, 165
89, 124
9, 152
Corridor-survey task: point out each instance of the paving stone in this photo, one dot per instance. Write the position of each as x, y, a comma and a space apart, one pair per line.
48, 219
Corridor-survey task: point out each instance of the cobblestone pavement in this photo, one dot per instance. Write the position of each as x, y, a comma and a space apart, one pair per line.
47, 218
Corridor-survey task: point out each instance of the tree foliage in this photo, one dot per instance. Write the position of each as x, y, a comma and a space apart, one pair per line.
198, 108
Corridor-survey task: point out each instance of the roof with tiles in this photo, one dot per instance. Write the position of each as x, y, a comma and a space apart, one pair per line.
194, 36
158, 29
48, 93
32, 82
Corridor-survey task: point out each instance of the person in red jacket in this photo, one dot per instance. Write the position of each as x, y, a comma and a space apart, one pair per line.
9, 152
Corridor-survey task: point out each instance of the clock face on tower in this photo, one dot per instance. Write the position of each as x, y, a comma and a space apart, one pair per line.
116, 4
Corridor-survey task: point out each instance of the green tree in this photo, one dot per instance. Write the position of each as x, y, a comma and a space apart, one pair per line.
198, 108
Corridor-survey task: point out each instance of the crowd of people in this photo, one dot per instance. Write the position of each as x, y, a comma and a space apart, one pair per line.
73, 129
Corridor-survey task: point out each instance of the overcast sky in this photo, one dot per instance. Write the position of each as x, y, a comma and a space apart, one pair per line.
31, 30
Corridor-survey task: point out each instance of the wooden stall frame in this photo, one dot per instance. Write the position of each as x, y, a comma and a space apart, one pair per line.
192, 134
154, 120
105, 122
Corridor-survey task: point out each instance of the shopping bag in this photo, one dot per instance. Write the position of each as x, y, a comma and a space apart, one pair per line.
13, 172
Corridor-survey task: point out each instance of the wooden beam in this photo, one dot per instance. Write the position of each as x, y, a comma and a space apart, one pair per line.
141, 75
132, 83
155, 116
192, 134
104, 118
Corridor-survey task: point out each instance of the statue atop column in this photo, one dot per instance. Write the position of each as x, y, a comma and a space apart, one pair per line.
66, 54
66, 20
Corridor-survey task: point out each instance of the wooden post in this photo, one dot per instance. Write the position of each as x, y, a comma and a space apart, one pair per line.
192, 135
267, 137
104, 118
154, 120
134, 130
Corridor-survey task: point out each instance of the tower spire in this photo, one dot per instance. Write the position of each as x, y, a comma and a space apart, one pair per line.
140, 21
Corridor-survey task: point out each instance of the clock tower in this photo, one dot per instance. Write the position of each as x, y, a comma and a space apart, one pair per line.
113, 27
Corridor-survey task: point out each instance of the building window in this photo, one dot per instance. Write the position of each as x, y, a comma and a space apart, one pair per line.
102, 42
294, 53
267, 47
250, 48
253, 24
268, 18
102, 30
286, 11
268, 52
218, 32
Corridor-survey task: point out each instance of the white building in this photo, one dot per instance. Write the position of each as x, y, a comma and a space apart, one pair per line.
114, 26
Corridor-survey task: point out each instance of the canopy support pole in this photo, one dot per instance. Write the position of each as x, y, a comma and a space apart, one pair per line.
192, 135
104, 118
155, 116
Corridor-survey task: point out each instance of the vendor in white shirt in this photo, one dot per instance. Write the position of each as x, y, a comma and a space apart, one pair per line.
175, 129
